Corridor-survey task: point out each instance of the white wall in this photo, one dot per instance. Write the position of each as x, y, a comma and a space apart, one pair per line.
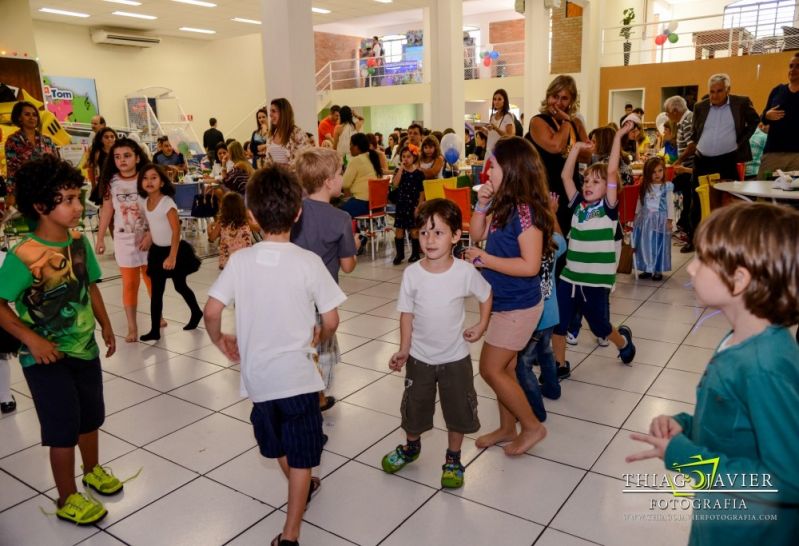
221, 78
383, 119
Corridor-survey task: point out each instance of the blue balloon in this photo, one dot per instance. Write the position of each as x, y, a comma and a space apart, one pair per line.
495, 55
452, 155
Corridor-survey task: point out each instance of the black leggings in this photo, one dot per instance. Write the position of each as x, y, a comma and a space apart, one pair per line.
157, 298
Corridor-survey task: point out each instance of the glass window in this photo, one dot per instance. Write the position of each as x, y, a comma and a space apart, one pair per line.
761, 19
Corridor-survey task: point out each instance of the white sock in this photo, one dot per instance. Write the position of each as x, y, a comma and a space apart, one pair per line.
5, 381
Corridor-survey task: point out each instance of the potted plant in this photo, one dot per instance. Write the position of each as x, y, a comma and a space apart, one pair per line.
627, 31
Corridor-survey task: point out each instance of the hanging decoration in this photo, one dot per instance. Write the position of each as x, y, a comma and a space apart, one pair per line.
489, 56
669, 33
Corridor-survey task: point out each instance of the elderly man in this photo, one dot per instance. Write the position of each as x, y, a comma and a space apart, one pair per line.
722, 126
677, 109
98, 122
781, 115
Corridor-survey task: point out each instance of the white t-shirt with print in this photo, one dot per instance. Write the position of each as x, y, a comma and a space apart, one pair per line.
160, 229
130, 224
493, 136
277, 288
437, 301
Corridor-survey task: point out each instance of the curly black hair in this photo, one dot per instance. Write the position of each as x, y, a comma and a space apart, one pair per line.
39, 182
274, 196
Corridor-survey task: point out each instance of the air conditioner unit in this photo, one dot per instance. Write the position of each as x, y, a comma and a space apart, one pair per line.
551, 4
101, 36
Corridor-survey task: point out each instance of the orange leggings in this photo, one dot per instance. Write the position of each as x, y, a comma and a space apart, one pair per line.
130, 284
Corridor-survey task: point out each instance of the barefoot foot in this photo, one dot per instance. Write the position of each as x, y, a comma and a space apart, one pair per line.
132, 336
163, 323
499, 435
525, 441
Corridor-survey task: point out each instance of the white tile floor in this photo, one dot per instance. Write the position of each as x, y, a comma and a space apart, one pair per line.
173, 410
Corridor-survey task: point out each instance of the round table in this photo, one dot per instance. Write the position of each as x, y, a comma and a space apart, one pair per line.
757, 188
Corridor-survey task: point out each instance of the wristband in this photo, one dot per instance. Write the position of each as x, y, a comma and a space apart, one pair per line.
481, 209
613, 185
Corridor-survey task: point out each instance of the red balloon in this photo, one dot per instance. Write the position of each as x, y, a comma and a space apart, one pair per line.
370, 62
660, 39
486, 61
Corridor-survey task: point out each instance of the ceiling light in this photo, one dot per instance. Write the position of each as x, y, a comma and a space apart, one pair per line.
242, 20
196, 3
323, 11
200, 30
63, 12
126, 2
384, 1
136, 15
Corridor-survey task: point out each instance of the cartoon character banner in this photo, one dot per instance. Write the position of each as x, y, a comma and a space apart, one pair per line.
71, 99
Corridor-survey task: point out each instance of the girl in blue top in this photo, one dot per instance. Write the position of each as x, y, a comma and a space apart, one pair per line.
512, 214
745, 421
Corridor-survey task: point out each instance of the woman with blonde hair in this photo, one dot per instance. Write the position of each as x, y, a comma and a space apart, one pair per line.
235, 179
553, 132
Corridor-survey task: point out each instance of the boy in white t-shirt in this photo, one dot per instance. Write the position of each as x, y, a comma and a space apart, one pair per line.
433, 342
277, 288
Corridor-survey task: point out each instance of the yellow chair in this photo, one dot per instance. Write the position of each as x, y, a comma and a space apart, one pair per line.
703, 191
451, 183
434, 189
709, 179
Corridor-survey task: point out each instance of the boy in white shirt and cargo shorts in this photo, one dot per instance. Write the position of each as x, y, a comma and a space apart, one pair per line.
434, 343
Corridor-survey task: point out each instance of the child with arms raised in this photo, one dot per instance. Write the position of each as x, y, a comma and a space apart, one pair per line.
277, 288
433, 341
326, 231
50, 276
512, 213
745, 418
590, 270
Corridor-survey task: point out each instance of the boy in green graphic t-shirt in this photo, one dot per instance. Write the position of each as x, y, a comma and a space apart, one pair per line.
50, 277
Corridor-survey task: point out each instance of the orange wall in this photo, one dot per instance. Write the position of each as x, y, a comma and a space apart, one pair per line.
751, 75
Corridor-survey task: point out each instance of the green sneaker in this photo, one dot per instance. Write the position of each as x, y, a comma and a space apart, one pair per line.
452, 475
81, 510
102, 481
397, 459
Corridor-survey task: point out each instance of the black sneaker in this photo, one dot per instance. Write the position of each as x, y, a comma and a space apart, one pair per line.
627, 353
645, 275
687, 249
657, 277
8, 407
564, 372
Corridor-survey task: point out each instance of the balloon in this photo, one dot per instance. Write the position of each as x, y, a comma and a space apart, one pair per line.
660, 39
673, 25
487, 61
370, 62
495, 55
450, 141
452, 156
371, 71
673, 37
483, 54
666, 31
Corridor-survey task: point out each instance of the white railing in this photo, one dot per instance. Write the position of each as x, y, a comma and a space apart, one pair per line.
756, 29
354, 73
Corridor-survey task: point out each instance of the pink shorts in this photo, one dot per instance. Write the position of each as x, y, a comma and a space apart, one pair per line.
512, 330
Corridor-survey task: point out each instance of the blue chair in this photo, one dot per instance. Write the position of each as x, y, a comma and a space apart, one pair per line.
184, 199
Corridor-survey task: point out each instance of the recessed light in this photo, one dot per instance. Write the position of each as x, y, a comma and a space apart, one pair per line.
63, 12
384, 1
135, 15
200, 30
323, 11
196, 3
249, 21
126, 2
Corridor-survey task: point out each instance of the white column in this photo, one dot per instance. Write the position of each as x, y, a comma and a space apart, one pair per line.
443, 44
16, 28
288, 57
536, 57
590, 61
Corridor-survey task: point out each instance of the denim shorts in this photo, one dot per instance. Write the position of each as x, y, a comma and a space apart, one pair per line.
289, 427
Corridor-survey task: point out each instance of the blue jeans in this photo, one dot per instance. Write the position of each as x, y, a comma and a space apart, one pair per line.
355, 207
539, 349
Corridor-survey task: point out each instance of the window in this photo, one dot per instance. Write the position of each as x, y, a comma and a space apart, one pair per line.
761, 19
392, 47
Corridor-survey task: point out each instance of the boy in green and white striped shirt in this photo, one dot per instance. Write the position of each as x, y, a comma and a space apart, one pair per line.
590, 270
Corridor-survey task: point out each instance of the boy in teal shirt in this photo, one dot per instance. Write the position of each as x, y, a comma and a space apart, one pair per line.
746, 402
50, 276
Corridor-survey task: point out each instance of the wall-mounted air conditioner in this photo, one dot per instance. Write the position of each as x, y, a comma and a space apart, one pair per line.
101, 36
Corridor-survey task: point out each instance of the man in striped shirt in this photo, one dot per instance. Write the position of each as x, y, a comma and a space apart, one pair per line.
677, 110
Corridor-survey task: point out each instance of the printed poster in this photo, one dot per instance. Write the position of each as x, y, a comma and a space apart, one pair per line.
71, 99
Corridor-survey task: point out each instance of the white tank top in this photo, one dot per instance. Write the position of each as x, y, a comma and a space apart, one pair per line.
343, 147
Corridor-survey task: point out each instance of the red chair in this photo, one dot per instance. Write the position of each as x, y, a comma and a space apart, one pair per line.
628, 200
463, 199
378, 200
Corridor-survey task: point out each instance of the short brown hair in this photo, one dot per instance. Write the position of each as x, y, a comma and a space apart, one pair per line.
601, 170
444, 209
316, 165
763, 239
274, 197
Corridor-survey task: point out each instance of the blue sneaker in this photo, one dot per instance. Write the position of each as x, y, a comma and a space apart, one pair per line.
627, 353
